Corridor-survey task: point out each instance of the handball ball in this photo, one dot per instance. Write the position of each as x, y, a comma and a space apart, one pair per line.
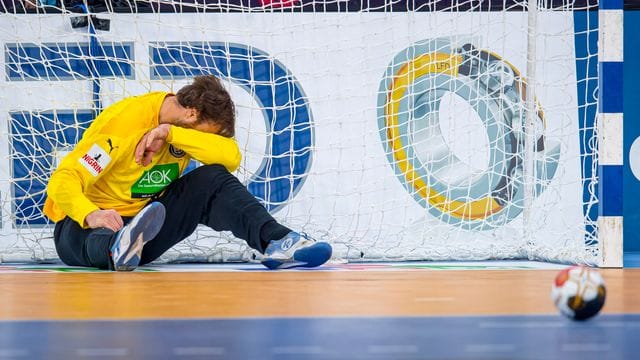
578, 292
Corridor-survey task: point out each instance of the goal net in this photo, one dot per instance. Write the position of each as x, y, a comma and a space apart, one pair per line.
395, 130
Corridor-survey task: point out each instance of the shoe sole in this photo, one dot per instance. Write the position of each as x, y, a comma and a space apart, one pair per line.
147, 227
309, 257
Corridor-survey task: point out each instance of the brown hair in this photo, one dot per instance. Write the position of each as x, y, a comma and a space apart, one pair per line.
212, 101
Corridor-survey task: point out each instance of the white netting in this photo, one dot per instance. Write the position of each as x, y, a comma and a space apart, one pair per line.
394, 130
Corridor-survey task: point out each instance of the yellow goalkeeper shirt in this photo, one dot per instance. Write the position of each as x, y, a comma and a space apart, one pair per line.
101, 172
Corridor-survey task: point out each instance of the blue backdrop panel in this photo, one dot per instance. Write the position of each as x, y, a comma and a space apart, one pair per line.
68, 61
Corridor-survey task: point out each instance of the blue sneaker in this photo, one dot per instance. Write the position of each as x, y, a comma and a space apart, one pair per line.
127, 249
296, 250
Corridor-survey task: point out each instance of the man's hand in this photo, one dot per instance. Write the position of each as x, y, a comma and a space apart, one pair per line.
151, 143
109, 219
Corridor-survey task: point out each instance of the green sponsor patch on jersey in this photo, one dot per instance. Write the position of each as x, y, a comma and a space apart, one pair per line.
155, 180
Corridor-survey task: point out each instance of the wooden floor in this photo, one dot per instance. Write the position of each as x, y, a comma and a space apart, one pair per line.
187, 295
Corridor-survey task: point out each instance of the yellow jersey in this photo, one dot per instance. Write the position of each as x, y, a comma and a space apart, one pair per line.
101, 172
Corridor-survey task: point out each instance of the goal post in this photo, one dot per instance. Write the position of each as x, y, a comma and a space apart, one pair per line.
405, 130
610, 132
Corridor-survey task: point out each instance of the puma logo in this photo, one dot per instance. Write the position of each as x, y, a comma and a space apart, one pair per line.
111, 147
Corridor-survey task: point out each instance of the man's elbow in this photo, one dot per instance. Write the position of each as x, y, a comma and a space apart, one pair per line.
234, 164
53, 185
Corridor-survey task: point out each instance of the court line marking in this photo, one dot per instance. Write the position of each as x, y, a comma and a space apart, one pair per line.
297, 350
392, 349
586, 347
554, 324
490, 348
329, 267
524, 324
103, 352
618, 324
13, 352
198, 351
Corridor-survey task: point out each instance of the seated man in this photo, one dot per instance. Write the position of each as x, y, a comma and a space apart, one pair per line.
119, 201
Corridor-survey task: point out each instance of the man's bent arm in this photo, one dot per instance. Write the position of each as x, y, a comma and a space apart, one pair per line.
205, 147
66, 190
90, 159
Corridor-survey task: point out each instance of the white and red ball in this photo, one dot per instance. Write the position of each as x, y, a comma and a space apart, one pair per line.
578, 292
